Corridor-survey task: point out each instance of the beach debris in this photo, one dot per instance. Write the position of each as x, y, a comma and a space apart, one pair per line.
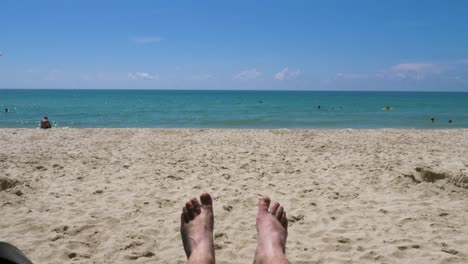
7, 183
218, 246
42, 168
146, 254
344, 240
172, 177
296, 218
227, 208
426, 174
134, 244
450, 251
57, 166
220, 235
460, 180
411, 176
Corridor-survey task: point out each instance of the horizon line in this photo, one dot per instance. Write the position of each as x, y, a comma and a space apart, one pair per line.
241, 90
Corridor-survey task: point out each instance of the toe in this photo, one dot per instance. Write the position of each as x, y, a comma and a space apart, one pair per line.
279, 213
196, 205
263, 204
185, 215
274, 208
190, 210
284, 221
205, 199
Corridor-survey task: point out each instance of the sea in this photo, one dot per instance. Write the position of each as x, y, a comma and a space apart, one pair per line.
232, 109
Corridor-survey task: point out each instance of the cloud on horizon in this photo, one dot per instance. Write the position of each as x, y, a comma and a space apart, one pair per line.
142, 76
286, 74
416, 71
247, 75
202, 77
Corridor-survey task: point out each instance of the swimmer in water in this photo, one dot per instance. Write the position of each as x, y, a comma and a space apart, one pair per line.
432, 119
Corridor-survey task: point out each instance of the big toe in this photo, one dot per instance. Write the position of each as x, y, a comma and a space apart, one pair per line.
264, 204
206, 199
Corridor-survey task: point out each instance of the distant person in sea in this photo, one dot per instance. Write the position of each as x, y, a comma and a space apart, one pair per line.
197, 224
432, 119
450, 121
7, 110
318, 107
45, 123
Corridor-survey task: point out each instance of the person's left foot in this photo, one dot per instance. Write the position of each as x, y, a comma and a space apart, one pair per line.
196, 229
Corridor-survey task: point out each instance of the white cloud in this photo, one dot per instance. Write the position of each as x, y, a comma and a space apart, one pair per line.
147, 40
404, 71
415, 67
202, 77
142, 76
286, 74
351, 76
247, 75
415, 70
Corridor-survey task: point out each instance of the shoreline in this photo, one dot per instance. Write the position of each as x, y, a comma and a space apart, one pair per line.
236, 129
111, 195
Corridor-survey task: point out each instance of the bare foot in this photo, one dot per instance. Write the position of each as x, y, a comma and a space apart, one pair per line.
196, 229
272, 231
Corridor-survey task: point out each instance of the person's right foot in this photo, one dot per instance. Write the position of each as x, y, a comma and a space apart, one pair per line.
272, 231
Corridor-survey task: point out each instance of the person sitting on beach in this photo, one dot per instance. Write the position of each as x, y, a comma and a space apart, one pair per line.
197, 224
45, 123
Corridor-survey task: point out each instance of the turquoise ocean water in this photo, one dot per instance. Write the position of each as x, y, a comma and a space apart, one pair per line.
233, 109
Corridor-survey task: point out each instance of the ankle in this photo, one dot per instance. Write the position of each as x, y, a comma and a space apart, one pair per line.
268, 259
203, 253
270, 247
269, 253
202, 257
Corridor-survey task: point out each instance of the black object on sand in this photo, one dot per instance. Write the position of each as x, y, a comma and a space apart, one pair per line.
9, 254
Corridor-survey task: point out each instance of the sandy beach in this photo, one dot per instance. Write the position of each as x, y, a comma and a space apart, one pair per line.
352, 196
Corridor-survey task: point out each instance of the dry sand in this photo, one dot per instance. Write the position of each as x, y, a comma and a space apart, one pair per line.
352, 196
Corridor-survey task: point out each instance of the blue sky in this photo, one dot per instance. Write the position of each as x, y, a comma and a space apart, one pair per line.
288, 45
